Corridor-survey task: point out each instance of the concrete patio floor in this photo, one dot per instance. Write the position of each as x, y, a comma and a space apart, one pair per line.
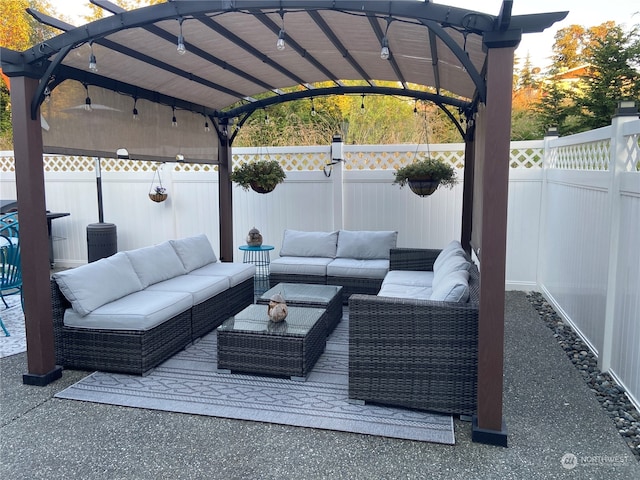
552, 418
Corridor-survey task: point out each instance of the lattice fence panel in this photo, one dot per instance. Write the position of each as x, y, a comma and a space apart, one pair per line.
585, 156
632, 150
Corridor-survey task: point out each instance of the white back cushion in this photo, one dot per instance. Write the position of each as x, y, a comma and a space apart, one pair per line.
453, 288
296, 243
452, 263
366, 245
454, 248
95, 284
194, 252
155, 264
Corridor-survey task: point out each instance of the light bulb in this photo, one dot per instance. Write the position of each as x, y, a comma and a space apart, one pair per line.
206, 127
280, 45
384, 52
87, 104
135, 113
93, 66
181, 48
174, 121
313, 111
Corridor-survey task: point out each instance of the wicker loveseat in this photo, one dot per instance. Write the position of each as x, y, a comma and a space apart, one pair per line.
133, 310
357, 260
412, 352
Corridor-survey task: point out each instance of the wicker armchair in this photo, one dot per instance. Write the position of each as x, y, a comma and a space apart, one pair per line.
415, 353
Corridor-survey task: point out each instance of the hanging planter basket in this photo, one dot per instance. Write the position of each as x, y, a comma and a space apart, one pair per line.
157, 192
158, 197
423, 186
260, 189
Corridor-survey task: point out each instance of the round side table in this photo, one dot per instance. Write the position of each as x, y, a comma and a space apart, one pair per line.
260, 257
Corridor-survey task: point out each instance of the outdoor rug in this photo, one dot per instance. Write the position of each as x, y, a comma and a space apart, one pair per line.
189, 383
13, 320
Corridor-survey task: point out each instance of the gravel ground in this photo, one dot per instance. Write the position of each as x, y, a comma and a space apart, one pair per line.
610, 394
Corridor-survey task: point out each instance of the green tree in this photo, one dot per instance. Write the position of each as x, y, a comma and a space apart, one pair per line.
614, 62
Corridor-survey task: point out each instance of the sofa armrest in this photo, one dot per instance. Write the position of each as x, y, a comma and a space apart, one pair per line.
418, 259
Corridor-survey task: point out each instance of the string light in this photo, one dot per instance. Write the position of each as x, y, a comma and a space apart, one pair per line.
206, 125
362, 105
87, 101
174, 120
415, 107
135, 109
280, 44
93, 65
313, 108
181, 48
384, 52
47, 94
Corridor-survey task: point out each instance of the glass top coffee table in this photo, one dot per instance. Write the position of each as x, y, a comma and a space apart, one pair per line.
328, 297
251, 343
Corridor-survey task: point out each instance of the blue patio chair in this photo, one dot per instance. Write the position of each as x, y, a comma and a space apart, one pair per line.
10, 265
6, 332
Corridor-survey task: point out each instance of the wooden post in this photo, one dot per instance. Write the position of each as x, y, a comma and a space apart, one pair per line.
492, 168
225, 195
34, 239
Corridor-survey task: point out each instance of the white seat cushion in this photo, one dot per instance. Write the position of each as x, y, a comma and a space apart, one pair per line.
92, 285
195, 252
351, 267
236, 272
138, 311
155, 264
453, 288
300, 265
409, 277
405, 291
200, 287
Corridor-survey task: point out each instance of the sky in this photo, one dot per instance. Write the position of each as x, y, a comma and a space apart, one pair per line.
587, 13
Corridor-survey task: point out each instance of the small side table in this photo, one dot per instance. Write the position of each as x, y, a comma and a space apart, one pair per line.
260, 257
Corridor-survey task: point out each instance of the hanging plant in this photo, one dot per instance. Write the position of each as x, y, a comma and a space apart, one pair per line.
425, 176
157, 192
261, 176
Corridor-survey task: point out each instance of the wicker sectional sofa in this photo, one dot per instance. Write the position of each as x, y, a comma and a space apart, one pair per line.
415, 344
356, 260
133, 310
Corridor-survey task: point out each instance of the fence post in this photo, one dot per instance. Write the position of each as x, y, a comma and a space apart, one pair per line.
626, 111
334, 169
547, 161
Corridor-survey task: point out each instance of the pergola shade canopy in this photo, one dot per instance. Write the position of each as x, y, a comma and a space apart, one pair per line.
436, 53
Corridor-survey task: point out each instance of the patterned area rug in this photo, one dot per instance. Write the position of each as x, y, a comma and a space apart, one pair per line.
189, 383
13, 320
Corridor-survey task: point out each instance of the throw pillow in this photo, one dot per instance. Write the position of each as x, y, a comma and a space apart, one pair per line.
453, 288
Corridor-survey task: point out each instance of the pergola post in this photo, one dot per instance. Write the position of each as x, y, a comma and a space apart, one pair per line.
38, 314
492, 178
467, 192
225, 195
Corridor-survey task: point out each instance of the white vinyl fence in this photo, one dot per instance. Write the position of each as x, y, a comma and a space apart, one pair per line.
573, 221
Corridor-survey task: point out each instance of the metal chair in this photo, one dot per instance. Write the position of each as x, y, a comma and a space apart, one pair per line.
10, 265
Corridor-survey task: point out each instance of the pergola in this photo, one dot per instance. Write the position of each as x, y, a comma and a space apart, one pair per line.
214, 63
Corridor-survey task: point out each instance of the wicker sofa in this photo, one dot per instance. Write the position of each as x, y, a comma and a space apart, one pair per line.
356, 260
415, 352
133, 310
